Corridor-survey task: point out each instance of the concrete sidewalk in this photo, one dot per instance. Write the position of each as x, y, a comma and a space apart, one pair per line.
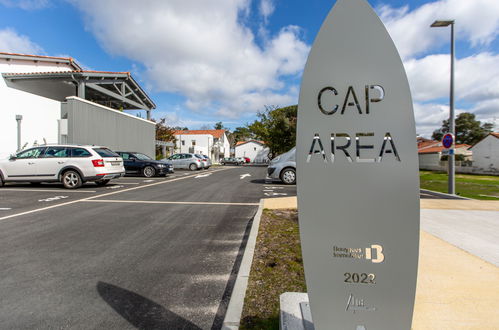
458, 283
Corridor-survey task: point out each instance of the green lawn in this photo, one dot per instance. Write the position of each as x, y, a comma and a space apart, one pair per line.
471, 186
277, 268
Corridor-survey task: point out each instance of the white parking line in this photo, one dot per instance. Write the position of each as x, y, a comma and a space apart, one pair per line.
129, 183
167, 202
49, 190
97, 196
5, 208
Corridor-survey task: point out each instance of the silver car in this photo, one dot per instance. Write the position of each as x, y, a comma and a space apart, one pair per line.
283, 167
205, 160
187, 161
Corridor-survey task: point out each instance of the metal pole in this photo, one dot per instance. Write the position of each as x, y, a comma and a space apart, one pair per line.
452, 127
19, 118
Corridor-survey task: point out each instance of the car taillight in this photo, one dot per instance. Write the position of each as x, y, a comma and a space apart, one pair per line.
98, 162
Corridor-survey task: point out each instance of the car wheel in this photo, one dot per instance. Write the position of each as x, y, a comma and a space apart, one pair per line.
148, 172
288, 176
193, 167
71, 179
101, 183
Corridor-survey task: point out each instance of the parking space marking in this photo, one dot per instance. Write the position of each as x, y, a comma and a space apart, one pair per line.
97, 196
167, 202
51, 199
202, 175
129, 183
245, 175
5, 208
49, 190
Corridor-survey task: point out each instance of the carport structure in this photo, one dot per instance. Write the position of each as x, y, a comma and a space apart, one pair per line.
117, 90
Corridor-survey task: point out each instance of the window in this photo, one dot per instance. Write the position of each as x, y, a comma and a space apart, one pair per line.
142, 156
183, 142
30, 153
56, 152
105, 152
254, 148
193, 142
80, 152
125, 156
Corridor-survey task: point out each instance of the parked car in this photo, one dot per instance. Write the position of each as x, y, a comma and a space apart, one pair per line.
241, 160
283, 167
247, 160
140, 164
71, 165
187, 161
205, 160
230, 161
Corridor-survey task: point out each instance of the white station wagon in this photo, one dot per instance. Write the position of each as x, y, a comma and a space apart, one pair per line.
72, 165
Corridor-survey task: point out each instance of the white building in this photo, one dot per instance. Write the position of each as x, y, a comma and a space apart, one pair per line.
486, 154
37, 112
211, 142
256, 151
36, 87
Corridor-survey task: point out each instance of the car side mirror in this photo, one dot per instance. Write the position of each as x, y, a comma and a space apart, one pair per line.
13, 157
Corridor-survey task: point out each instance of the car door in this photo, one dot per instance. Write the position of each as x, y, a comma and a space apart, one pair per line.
128, 163
51, 162
175, 160
24, 165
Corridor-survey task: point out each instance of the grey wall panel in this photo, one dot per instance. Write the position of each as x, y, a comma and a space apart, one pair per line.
89, 123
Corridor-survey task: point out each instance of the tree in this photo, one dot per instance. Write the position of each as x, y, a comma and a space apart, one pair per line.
242, 134
468, 129
163, 133
277, 128
219, 125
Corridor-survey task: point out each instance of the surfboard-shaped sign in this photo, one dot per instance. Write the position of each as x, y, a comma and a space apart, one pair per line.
358, 184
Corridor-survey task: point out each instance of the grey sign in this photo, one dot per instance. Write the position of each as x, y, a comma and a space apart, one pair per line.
358, 184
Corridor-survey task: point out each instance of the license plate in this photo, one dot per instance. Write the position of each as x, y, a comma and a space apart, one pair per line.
115, 163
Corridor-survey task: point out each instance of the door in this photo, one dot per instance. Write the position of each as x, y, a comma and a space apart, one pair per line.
24, 165
128, 160
51, 162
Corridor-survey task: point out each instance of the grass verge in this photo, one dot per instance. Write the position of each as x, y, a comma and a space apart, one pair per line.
277, 268
471, 186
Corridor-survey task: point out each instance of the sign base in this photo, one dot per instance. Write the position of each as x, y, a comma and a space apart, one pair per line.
295, 312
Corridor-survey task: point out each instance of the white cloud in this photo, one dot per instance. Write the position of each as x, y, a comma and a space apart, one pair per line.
476, 75
12, 42
26, 4
200, 49
477, 21
266, 8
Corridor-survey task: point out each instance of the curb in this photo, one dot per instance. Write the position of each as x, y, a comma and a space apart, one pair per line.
441, 194
235, 308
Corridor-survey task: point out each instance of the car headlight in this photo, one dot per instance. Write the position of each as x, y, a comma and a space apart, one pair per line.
161, 165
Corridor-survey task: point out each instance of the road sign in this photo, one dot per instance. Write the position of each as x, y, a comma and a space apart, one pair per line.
358, 196
448, 140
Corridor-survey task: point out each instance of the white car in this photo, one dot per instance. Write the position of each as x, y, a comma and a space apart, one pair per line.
72, 165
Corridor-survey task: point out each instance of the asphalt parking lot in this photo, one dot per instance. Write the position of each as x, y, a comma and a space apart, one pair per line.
156, 253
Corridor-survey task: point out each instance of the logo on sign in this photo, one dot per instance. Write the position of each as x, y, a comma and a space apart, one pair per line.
373, 253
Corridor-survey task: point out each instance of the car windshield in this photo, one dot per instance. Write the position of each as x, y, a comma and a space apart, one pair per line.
142, 156
105, 152
199, 156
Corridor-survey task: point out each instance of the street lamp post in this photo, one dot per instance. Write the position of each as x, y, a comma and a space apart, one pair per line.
452, 128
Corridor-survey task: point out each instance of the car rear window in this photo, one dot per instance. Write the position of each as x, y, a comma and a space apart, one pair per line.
105, 152
80, 152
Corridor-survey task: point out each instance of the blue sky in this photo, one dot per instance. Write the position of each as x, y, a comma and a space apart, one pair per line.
204, 61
